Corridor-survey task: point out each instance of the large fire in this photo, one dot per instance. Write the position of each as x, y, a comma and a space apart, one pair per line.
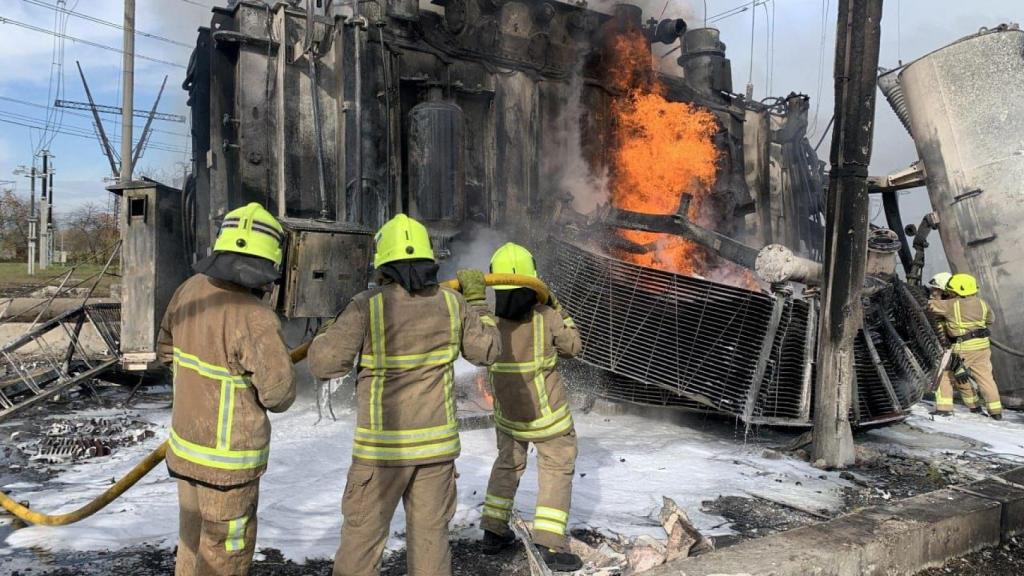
662, 149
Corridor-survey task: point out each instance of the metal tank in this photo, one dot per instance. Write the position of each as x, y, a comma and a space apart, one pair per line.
966, 107
705, 67
436, 162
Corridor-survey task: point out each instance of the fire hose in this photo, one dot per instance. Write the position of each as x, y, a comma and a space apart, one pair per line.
298, 354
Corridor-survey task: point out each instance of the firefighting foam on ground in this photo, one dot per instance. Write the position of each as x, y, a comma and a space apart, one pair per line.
527, 287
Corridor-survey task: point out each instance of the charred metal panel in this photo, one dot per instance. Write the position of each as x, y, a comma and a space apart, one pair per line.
154, 264
964, 103
517, 161
326, 266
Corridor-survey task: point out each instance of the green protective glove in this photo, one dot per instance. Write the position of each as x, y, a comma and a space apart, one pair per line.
472, 285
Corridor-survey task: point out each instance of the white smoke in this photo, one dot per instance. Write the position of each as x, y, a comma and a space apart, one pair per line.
473, 250
588, 188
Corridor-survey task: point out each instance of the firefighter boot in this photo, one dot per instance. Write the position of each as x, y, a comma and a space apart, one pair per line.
976, 410
493, 542
559, 561
996, 416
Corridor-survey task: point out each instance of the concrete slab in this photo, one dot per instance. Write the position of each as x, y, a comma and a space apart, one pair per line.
902, 538
1010, 496
1016, 476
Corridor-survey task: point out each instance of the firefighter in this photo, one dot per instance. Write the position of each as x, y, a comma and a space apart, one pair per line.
531, 406
937, 286
407, 332
230, 367
966, 319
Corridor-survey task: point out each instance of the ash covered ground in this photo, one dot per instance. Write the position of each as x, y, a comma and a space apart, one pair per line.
735, 484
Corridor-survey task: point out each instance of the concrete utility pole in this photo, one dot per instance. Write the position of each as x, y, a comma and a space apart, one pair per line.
31, 174
45, 212
128, 95
33, 222
856, 65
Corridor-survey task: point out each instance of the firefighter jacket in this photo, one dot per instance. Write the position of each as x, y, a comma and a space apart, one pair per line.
406, 344
230, 366
530, 402
962, 318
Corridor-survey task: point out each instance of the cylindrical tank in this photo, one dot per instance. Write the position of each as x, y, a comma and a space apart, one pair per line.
705, 66
968, 124
883, 246
436, 162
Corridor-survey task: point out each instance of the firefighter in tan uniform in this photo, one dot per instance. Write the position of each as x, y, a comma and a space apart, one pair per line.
406, 333
230, 367
966, 319
531, 406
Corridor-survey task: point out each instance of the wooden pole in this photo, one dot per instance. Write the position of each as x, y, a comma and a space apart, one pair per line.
857, 40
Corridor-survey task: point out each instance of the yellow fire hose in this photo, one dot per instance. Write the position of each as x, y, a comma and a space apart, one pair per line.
155, 457
536, 284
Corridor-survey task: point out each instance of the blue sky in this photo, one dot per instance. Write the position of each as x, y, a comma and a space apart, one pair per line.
910, 28
26, 84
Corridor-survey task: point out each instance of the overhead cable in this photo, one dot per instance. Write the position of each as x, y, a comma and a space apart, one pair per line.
4, 20
96, 20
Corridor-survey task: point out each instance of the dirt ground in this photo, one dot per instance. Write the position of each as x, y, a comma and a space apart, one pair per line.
154, 561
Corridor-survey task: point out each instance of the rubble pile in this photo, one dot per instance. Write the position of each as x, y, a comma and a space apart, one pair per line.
73, 440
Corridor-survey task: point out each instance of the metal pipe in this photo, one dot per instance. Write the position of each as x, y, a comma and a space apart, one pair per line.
314, 95
357, 103
773, 263
891, 205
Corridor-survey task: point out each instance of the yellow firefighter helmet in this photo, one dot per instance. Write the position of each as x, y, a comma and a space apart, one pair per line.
963, 285
252, 231
402, 238
513, 259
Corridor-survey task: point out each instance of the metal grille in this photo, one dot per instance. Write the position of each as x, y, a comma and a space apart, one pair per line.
53, 356
668, 337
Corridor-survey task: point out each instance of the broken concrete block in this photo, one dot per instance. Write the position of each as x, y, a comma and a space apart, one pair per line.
644, 554
683, 537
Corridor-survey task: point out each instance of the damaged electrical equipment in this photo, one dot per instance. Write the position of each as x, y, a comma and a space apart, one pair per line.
680, 222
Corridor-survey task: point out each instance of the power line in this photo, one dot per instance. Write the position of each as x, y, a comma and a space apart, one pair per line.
83, 115
194, 3
734, 11
79, 132
86, 42
96, 20
719, 17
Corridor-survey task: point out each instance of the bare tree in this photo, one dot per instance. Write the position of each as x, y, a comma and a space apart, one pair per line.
90, 230
14, 214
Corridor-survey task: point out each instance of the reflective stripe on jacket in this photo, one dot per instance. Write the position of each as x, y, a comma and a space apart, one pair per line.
530, 402
230, 366
960, 316
407, 345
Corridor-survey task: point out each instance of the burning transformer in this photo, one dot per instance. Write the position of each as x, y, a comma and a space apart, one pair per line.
548, 122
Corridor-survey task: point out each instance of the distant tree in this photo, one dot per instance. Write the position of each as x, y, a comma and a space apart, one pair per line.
14, 214
89, 232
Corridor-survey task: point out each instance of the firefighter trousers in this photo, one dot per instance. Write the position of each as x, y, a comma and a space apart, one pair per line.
980, 363
371, 495
216, 529
556, 460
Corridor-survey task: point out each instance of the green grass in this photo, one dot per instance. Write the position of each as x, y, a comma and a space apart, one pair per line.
14, 277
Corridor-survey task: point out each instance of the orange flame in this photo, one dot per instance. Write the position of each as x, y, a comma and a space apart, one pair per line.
662, 149
486, 399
